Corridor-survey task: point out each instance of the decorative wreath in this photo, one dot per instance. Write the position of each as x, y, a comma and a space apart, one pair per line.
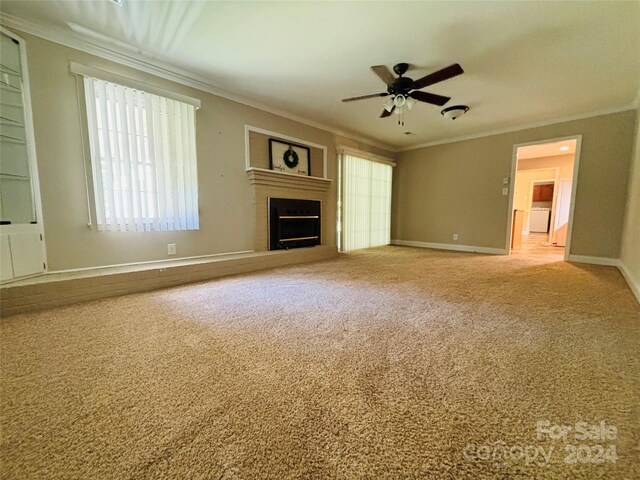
290, 158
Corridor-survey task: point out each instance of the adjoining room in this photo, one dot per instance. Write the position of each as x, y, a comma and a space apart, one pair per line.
542, 199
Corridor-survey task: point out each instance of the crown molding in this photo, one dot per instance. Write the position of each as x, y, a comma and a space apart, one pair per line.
165, 70
162, 69
519, 128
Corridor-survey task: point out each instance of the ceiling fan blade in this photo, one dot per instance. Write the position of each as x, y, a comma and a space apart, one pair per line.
385, 113
384, 73
430, 98
439, 76
362, 97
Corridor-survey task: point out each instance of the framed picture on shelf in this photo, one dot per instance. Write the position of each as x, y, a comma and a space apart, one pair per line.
288, 157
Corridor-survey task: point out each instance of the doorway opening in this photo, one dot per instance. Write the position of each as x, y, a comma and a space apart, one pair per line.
542, 197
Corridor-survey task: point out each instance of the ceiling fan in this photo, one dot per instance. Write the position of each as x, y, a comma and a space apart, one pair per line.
404, 88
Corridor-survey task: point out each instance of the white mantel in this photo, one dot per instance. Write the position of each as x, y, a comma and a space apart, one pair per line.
271, 178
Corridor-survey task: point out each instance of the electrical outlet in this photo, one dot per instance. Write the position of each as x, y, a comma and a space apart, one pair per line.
505, 191
505, 181
455, 236
171, 248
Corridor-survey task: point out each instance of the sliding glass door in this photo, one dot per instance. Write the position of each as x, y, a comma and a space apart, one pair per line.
365, 203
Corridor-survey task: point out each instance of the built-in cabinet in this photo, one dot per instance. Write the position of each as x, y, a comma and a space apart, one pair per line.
21, 236
542, 192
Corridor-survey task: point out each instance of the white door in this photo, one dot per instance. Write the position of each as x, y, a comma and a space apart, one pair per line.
563, 206
21, 239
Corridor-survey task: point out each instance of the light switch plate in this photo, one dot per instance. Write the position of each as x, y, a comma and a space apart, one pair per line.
505, 191
505, 181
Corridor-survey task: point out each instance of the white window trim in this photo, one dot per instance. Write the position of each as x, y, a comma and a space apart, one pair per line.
354, 152
86, 71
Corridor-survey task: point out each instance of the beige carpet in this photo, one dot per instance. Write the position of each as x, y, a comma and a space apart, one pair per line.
388, 363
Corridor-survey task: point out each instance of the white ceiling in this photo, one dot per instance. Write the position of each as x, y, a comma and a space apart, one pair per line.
525, 62
564, 147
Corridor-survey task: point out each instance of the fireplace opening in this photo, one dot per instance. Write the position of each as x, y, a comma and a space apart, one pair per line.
294, 223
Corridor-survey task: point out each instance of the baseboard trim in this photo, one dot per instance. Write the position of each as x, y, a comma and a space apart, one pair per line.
606, 261
449, 246
633, 284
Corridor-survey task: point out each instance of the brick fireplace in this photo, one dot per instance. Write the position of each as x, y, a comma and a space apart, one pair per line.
269, 184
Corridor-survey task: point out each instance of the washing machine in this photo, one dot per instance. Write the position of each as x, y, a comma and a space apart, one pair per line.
539, 220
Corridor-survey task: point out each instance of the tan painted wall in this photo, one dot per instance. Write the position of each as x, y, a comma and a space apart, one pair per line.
456, 187
225, 205
630, 251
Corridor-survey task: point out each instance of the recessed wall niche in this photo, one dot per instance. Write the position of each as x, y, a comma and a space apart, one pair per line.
268, 183
258, 152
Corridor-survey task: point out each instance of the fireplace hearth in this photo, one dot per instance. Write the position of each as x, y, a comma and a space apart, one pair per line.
294, 223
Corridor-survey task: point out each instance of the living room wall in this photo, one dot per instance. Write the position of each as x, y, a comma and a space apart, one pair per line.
224, 189
630, 250
456, 187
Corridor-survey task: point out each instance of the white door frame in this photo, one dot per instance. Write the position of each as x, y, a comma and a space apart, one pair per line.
558, 198
574, 188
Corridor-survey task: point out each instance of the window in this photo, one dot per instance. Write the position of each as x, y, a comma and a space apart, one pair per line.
365, 203
143, 159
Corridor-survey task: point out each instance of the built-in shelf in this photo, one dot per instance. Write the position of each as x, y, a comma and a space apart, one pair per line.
263, 176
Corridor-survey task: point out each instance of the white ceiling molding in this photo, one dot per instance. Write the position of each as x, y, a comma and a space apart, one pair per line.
519, 128
161, 69
549, 24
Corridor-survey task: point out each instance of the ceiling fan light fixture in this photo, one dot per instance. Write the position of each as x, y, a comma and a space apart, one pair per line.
405, 91
399, 101
454, 112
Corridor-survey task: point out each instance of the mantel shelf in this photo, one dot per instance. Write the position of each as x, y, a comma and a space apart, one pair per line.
262, 176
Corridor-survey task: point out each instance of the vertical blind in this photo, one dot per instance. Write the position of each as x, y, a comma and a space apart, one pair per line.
365, 203
143, 157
